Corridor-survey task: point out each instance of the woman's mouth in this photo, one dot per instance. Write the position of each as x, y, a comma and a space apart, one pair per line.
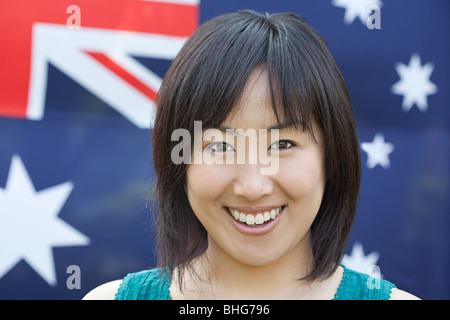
255, 217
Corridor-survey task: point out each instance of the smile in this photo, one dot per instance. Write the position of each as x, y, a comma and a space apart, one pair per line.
255, 219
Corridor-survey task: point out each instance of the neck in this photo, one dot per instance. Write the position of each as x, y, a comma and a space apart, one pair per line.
227, 278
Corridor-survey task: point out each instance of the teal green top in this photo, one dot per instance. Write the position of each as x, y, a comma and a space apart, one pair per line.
154, 285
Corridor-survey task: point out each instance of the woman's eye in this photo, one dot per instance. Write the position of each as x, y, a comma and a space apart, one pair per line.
220, 147
281, 145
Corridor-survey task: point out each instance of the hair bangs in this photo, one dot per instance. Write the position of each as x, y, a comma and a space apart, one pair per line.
268, 45
220, 80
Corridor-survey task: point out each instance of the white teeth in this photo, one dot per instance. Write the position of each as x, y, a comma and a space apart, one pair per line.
252, 219
259, 219
273, 214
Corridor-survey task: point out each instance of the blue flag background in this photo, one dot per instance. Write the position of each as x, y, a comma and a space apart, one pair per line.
75, 181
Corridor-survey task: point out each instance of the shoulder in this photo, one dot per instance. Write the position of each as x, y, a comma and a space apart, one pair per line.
152, 284
106, 291
402, 295
360, 286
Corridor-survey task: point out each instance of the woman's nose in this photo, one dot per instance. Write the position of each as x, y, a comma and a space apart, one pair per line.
251, 184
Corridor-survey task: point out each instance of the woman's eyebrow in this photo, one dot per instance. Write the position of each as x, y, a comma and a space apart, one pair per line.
279, 126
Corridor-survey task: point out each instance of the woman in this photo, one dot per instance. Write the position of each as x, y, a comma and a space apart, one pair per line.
226, 230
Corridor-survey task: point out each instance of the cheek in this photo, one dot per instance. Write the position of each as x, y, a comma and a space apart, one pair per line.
303, 180
205, 184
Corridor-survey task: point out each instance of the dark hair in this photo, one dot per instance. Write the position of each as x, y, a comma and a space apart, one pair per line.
205, 82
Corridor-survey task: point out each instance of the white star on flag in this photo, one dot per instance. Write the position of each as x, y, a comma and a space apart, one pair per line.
360, 262
414, 83
29, 226
377, 152
356, 9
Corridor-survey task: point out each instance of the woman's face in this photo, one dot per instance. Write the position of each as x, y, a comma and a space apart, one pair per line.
254, 218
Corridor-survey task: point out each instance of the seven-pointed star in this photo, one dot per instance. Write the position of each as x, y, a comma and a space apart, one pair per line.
377, 152
29, 226
414, 83
360, 262
356, 9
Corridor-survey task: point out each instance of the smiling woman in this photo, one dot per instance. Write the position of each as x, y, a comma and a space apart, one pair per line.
252, 71
225, 230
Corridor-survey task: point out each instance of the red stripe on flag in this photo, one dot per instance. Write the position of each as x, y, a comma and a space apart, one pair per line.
124, 74
140, 16
18, 17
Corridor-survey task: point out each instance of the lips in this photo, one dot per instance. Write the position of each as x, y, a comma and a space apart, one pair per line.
253, 216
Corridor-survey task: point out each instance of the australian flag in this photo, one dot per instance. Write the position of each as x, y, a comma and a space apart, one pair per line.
78, 82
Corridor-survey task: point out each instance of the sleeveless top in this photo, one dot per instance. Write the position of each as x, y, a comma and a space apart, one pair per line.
154, 285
